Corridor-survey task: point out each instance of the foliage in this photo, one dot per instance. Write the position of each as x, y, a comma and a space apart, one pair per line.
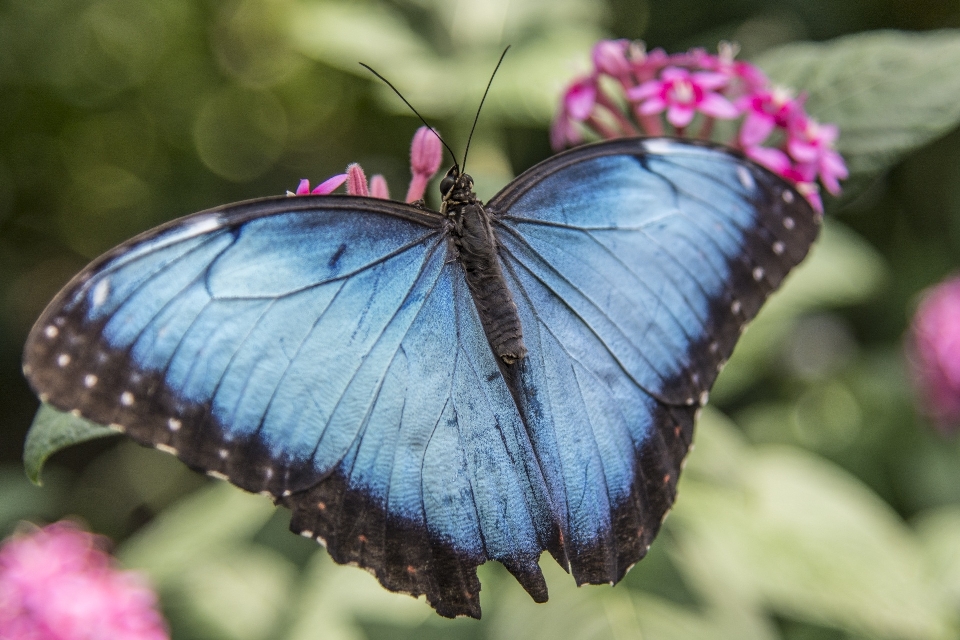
818, 504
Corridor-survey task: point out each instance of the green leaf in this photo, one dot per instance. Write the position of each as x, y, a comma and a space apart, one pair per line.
799, 536
890, 92
546, 46
183, 535
237, 592
52, 431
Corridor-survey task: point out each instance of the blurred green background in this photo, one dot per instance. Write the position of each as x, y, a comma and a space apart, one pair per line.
817, 503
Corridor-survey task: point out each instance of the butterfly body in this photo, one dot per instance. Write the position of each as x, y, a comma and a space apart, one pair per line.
427, 391
475, 246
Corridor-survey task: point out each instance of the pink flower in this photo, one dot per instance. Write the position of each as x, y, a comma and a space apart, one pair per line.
378, 187
580, 98
356, 181
681, 94
765, 110
726, 63
774, 130
773, 159
934, 349
325, 187
576, 106
811, 145
611, 57
426, 153
646, 64
57, 584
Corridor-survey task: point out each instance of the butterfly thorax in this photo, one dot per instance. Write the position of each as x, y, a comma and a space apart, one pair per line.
475, 247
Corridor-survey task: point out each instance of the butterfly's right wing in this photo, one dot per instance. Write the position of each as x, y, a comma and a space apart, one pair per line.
324, 351
635, 265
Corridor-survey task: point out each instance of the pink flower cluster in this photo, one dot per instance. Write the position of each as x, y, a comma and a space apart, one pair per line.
425, 157
57, 584
934, 348
632, 91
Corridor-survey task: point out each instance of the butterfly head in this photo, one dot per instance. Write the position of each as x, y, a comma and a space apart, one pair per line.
456, 186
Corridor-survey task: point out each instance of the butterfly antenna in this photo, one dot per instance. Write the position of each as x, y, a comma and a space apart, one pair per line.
463, 165
400, 95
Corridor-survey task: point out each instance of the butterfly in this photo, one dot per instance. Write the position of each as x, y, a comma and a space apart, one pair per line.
428, 390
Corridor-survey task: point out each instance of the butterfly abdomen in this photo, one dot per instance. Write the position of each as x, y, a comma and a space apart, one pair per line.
477, 251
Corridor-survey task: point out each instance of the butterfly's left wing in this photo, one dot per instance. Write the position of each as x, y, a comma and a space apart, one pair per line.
325, 351
635, 265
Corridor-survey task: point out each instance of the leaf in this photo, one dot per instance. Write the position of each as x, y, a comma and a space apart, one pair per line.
238, 592
195, 527
890, 92
799, 536
52, 431
449, 84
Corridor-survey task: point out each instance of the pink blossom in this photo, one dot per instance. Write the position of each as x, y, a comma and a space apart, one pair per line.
57, 584
811, 145
325, 187
426, 153
611, 57
378, 187
681, 94
658, 88
580, 98
646, 64
751, 78
576, 106
356, 181
564, 131
773, 159
764, 111
934, 349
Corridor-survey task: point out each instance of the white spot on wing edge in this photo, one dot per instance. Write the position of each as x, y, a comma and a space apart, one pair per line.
101, 292
306, 533
51, 331
217, 475
89, 380
743, 174
659, 146
166, 448
758, 274
223, 453
778, 248
789, 222
202, 225
174, 425
63, 359
788, 196
126, 398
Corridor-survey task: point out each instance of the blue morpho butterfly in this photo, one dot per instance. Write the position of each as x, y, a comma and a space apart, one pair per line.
428, 390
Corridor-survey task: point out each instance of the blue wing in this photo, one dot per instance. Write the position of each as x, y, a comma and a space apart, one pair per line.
635, 266
324, 351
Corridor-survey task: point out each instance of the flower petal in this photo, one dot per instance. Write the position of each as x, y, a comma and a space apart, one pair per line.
329, 185
356, 181
680, 115
378, 187
755, 128
713, 104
